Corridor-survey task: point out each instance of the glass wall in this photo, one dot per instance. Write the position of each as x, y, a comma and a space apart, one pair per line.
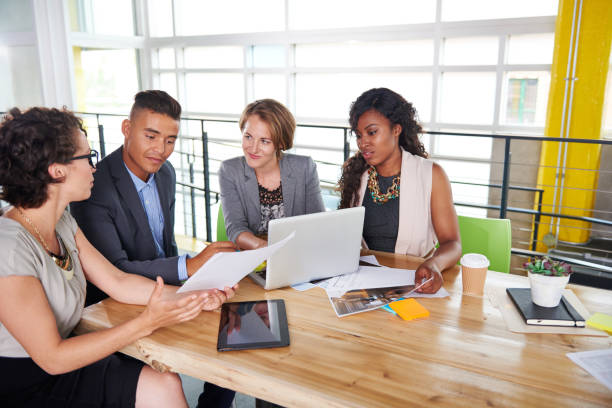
106, 79
102, 17
467, 66
458, 73
107, 68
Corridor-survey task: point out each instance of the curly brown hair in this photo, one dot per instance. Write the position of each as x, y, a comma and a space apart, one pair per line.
398, 111
30, 142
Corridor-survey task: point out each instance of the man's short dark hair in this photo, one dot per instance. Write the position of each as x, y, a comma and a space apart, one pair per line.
158, 102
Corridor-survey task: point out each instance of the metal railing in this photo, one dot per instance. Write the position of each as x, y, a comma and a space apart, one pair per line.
210, 144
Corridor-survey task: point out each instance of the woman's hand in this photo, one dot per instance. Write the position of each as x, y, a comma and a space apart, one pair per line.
215, 297
425, 271
164, 311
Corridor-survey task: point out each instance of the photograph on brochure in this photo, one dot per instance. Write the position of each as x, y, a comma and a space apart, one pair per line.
362, 300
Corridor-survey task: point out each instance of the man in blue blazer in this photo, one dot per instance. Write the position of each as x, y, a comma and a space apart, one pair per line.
129, 216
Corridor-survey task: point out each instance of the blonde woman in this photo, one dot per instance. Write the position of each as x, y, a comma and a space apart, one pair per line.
265, 183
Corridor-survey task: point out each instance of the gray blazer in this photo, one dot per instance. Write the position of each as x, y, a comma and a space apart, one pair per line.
240, 194
114, 220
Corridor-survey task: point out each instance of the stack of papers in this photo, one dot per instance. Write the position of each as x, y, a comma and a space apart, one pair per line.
371, 287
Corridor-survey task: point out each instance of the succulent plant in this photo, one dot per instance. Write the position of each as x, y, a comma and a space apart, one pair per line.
548, 267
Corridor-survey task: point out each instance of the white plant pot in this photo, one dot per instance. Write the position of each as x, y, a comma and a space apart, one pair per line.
546, 291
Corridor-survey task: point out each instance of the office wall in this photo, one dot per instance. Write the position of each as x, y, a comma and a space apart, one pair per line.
19, 64
16, 16
19, 77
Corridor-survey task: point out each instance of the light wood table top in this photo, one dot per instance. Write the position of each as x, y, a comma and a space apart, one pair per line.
462, 355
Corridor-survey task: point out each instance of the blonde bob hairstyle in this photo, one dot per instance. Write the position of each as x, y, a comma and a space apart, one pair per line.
280, 121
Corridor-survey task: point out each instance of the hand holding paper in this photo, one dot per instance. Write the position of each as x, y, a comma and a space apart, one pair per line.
228, 268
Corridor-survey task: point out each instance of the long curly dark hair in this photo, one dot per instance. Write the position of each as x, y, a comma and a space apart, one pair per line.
398, 111
30, 142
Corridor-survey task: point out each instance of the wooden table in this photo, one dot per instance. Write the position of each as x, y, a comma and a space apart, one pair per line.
462, 355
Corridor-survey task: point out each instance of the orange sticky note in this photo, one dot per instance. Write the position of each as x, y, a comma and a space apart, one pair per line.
409, 309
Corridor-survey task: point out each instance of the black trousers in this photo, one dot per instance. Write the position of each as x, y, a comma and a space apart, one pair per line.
214, 396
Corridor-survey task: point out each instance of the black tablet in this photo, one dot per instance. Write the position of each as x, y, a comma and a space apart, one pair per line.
253, 325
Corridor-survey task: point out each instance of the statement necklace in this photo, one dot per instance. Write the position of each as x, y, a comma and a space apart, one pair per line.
65, 261
377, 196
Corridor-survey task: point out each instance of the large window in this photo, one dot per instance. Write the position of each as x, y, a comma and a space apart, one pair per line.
106, 17
467, 66
460, 72
106, 79
474, 65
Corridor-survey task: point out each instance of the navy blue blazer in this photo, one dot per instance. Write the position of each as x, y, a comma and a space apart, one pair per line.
114, 220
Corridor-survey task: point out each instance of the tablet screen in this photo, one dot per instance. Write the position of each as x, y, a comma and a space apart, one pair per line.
249, 325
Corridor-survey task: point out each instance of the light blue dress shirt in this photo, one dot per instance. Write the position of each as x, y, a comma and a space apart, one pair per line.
149, 197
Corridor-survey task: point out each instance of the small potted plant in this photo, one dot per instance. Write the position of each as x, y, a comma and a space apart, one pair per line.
547, 279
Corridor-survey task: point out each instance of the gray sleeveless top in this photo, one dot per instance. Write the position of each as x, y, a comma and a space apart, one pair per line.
23, 255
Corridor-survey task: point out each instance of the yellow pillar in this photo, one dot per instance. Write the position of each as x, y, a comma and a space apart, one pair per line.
574, 188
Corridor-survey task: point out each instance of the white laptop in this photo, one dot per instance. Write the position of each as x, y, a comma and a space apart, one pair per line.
326, 244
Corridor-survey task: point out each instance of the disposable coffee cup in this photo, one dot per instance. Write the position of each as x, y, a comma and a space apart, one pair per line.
474, 273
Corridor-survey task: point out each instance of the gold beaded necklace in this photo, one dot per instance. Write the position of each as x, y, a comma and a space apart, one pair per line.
377, 196
63, 261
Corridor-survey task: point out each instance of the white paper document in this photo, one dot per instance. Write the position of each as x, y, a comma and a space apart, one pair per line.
226, 269
370, 277
301, 287
371, 259
598, 363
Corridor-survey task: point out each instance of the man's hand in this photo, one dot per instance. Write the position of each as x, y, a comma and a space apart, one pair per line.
195, 263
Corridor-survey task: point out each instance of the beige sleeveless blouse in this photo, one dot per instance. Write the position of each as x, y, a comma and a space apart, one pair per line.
416, 235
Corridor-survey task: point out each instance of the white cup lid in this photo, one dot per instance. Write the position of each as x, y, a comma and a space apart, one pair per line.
475, 261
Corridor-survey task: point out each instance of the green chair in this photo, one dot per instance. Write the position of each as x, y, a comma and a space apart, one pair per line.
221, 233
491, 237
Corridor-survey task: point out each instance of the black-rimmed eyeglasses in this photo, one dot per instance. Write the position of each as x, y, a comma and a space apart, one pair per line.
92, 158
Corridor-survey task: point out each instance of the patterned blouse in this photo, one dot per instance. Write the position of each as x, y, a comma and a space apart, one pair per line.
272, 207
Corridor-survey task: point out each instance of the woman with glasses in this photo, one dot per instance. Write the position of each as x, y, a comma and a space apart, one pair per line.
46, 163
407, 197
92, 158
265, 183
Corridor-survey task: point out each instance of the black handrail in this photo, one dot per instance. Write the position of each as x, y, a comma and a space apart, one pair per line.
504, 186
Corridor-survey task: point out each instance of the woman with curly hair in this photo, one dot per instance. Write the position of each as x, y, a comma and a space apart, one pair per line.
408, 198
46, 163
